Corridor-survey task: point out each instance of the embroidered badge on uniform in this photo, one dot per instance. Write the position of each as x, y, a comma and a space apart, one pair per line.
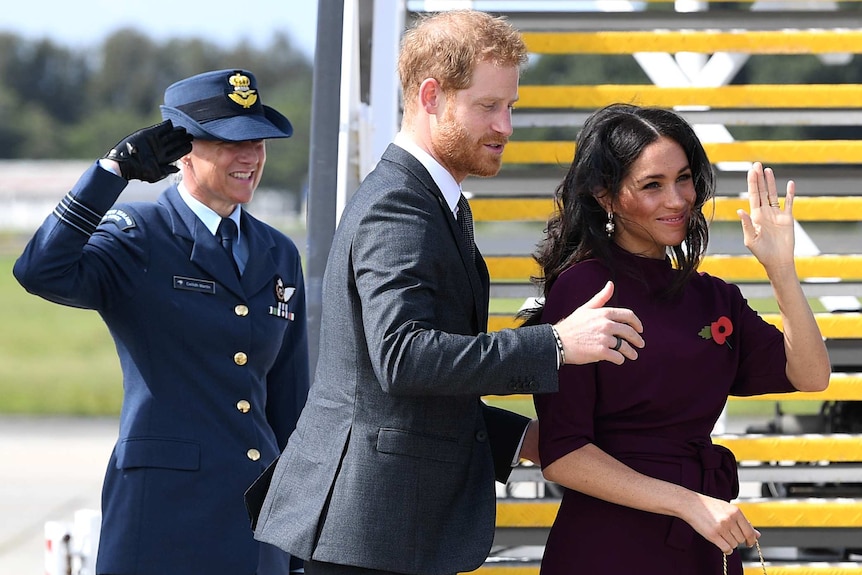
242, 93
283, 293
119, 218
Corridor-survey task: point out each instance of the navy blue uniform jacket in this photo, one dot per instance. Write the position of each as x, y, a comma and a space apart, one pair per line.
215, 370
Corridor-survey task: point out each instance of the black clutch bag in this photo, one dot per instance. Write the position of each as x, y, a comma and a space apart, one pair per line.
256, 493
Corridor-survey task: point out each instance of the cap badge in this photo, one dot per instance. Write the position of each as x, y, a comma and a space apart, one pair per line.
242, 94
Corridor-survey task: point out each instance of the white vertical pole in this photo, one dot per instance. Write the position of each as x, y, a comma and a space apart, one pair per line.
383, 117
347, 180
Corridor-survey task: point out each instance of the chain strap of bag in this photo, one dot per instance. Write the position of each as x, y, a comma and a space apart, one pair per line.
759, 554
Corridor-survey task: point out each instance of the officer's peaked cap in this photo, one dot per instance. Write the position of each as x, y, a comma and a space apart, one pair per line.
223, 105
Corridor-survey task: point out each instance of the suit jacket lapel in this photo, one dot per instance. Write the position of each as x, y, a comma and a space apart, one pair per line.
477, 271
205, 251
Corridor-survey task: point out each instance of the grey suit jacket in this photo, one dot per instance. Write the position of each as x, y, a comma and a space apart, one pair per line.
391, 464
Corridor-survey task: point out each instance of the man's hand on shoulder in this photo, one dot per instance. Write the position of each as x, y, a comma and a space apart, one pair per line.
594, 333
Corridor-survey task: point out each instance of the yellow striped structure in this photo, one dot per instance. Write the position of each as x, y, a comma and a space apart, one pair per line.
835, 448
767, 151
701, 41
753, 96
723, 209
815, 513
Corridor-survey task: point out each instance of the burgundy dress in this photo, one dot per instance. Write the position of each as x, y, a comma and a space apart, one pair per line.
654, 414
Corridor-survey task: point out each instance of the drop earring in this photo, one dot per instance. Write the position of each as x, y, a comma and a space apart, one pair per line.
610, 226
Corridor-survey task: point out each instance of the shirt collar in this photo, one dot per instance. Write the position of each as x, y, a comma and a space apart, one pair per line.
207, 215
441, 176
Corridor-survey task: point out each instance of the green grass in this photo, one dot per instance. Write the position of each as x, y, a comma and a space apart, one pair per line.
53, 359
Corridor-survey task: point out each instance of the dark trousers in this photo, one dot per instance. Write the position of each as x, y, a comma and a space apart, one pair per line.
321, 568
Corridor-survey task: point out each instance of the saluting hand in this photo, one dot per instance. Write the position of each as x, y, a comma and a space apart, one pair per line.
148, 154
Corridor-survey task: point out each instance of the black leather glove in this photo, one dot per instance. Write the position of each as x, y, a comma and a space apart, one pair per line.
147, 154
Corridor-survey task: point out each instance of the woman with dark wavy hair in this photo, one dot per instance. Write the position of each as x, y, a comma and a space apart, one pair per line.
646, 490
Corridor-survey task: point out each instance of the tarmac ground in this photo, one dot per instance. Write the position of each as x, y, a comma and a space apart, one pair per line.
49, 468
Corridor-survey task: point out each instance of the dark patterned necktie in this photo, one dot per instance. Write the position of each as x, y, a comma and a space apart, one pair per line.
465, 220
227, 234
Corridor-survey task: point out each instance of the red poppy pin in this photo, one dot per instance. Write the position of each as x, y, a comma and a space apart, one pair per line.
718, 331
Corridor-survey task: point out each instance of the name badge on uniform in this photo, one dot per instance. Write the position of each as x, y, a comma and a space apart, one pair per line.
283, 294
192, 284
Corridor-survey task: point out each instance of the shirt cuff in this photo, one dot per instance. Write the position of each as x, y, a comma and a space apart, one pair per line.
517, 458
105, 166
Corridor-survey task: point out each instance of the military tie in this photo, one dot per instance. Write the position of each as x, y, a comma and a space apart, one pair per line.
465, 220
227, 234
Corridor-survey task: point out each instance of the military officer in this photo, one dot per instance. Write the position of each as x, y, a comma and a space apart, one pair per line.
209, 326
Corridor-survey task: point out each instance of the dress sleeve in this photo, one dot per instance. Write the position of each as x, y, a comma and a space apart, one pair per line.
566, 417
762, 359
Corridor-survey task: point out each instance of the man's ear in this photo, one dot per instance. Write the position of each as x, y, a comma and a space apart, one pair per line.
431, 96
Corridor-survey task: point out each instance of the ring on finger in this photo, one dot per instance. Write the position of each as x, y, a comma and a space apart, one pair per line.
618, 344
773, 203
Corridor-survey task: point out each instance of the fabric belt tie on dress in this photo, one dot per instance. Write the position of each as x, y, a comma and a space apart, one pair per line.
715, 465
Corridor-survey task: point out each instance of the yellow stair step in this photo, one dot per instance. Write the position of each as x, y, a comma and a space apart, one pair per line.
561, 153
723, 209
700, 41
832, 326
836, 448
763, 513
752, 96
730, 268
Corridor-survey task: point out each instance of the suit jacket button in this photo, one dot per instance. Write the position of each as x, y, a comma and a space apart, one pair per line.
532, 386
253, 454
240, 358
482, 435
241, 310
243, 406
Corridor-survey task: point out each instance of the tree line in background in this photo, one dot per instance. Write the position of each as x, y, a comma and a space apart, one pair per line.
62, 103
